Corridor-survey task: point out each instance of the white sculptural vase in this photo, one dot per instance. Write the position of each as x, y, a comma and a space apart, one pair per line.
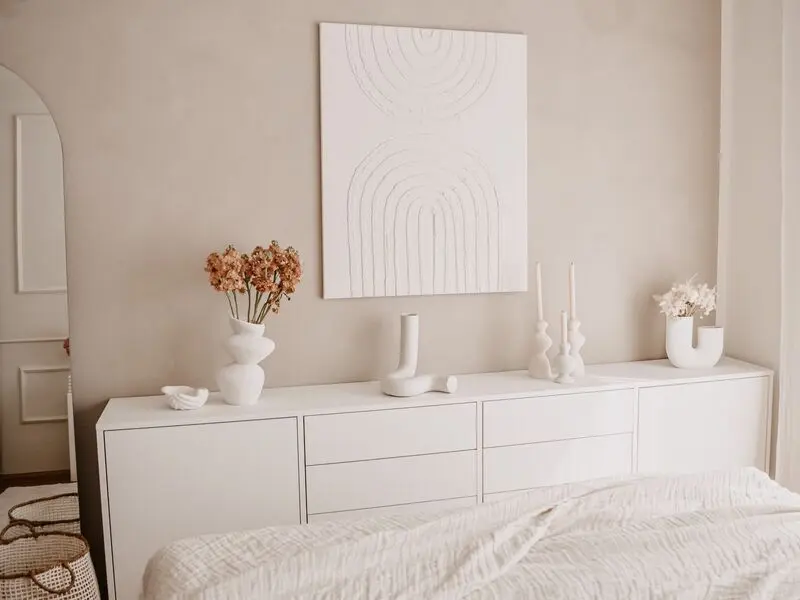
404, 381
683, 354
241, 381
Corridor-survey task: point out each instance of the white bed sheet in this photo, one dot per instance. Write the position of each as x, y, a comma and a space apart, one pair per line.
715, 536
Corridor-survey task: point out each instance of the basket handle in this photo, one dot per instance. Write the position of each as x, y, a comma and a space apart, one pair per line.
13, 524
53, 591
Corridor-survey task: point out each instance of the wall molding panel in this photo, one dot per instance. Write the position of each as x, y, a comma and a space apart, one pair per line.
24, 406
33, 340
40, 124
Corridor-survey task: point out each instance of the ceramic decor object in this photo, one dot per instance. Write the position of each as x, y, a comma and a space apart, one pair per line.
539, 364
563, 363
404, 381
683, 354
576, 342
183, 397
242, 381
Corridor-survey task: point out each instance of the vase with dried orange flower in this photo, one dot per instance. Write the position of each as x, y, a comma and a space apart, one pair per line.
254, 285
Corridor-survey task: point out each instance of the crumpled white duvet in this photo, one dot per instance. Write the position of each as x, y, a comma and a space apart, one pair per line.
728, 535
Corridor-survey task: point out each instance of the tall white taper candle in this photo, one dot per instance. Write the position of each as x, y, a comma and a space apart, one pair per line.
563, 327
540, 307
573, 311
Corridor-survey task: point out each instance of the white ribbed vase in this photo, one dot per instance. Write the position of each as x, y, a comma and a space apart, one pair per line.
242, 380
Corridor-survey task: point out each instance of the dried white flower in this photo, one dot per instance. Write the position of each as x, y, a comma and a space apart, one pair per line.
688, 299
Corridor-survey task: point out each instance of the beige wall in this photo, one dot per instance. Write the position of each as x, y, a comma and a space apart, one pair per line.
752, 247
790, 377
759, 211
193, 123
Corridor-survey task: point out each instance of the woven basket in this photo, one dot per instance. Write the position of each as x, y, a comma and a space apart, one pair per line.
52, 513
47, 565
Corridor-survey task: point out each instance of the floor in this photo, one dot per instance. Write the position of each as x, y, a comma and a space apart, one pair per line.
14, 495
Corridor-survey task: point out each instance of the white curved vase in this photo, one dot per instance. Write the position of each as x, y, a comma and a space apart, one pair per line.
404, 381
683, 354
241, 381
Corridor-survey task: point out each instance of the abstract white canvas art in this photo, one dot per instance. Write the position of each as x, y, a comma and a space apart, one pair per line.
424, 161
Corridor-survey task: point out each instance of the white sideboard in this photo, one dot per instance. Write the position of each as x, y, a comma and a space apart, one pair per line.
312, 453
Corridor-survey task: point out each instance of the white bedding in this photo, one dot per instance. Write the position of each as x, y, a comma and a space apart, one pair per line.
720, 535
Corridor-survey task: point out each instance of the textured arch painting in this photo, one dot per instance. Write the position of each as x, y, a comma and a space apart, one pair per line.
424, 161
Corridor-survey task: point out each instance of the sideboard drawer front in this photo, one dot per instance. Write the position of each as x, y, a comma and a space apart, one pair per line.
554, 463
434, 507
528, 420
390, 433
391, 481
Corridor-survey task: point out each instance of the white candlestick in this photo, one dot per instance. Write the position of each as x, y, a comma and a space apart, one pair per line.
540, 308
539, 365
576, 342
573, 311
563, 361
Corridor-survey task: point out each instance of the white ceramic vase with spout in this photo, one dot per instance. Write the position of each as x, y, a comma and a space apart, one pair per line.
680, 349
242, 381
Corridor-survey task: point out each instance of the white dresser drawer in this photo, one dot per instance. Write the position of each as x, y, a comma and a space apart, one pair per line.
527, 420
435, 506
548, 494
553, 463
390, 433
390, 481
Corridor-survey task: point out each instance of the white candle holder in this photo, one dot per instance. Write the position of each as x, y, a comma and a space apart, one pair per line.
576, 342
564, 364
539, 365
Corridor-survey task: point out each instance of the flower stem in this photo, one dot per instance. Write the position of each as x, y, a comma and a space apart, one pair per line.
261, 314
264, 309
249, 304
230, 304
256, 306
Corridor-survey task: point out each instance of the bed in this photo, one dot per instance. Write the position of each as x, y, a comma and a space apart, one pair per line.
733, 534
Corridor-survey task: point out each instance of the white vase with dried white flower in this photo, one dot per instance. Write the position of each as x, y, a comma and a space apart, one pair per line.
680, 305
261, 280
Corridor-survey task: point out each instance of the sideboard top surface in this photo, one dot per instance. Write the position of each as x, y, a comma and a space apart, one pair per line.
152, 411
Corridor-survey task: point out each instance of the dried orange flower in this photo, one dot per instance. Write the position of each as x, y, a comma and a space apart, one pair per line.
266, 276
